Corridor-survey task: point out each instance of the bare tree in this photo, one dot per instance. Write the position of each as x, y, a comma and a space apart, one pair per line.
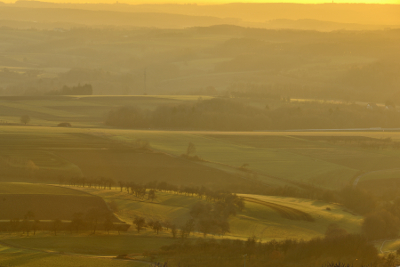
56, 225
140, 223
77, 221
25, 119
93, 216
157, 226
152, 194
108, 224
174, 231
36, 226
26, 224
189, 226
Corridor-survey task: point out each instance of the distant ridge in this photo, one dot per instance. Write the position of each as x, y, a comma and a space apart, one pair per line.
42, 15
106, 18
380, 14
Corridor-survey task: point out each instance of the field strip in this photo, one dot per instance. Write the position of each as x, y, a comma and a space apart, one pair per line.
284, 211
225, 167
69, 254
41, 109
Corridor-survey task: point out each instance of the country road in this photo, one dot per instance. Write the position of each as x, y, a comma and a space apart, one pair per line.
383, 243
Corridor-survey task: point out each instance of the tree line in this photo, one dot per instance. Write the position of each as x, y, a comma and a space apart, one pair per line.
206, 218
228, 114
209, 216
93, 220
141, 190
350, 249
85, 89
381, 215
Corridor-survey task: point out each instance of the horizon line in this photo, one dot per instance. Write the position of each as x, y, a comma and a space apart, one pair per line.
111, 2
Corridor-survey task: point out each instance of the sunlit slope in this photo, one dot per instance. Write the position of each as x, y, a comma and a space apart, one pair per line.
265, 219
316, 209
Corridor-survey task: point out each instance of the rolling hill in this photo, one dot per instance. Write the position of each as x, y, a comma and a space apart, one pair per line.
45, 202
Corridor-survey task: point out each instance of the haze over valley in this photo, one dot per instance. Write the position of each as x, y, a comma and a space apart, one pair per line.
208, 134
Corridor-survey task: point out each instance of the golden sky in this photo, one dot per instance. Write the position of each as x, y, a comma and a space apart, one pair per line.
200, 2
276, 1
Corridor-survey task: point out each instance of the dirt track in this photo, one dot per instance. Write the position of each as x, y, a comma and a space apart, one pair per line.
284, 211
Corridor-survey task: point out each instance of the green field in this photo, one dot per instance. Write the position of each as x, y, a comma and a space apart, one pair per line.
291, 156
273, 157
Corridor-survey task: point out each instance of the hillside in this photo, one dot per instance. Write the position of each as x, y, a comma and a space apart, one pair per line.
305, 157
319, 158
261, 219
268, 218
45, 202
345, 65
